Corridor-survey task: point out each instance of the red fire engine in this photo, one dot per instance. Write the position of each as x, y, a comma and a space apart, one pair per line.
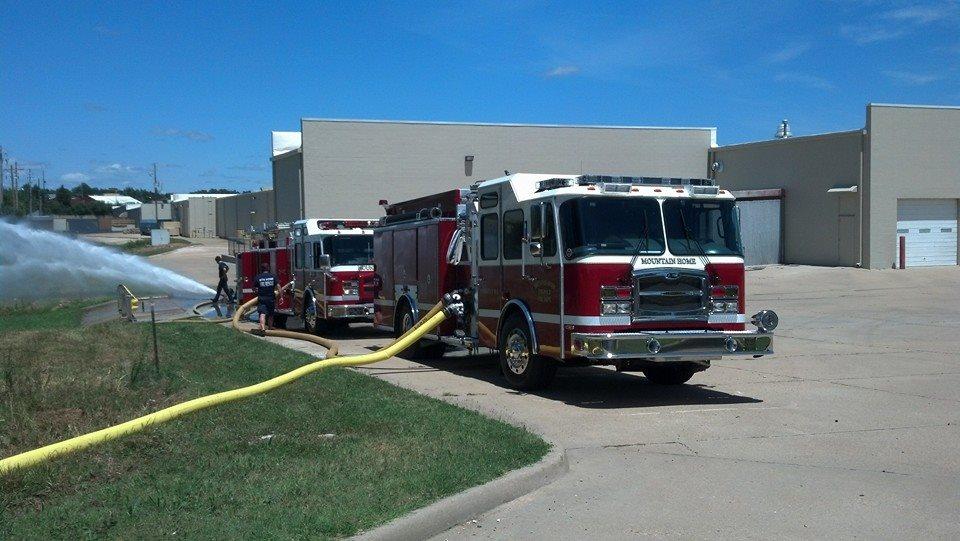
331, 265
642, 273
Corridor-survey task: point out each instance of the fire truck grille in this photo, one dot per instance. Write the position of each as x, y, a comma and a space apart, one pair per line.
670, 294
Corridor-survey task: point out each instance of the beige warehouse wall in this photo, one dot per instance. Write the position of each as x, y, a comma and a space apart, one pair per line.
914, 153
198, 216
817, 225
348, 166
286, 186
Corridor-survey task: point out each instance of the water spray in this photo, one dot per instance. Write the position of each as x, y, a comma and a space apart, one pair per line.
37, 264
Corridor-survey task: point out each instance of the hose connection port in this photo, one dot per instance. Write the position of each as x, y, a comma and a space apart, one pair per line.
765, 320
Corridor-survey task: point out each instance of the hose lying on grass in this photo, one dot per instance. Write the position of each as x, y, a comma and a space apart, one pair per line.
451, 305
332, 348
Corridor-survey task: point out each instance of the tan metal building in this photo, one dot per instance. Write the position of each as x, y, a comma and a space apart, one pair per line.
849, 197
343, 168
197, 216
244, 212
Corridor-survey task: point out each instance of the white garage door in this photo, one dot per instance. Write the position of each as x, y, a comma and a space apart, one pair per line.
930, 229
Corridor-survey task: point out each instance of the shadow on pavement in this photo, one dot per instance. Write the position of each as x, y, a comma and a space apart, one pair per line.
589, 387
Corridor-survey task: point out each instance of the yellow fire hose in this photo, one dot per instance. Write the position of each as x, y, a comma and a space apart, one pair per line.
436, 316
332, 348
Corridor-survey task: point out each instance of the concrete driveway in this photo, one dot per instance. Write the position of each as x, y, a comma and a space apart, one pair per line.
850, 430
196, 261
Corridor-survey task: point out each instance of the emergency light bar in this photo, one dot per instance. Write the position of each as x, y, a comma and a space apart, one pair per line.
612, 183
591, 180
345, 224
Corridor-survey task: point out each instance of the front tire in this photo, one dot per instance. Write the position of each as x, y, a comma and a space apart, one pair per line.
311, 320
523, 369
670, 373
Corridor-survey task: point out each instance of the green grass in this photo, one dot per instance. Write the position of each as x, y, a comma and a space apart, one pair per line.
62, 315
264, 467
143, 247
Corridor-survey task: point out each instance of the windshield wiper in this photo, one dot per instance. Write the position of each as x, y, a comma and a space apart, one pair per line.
688, 235
641, 246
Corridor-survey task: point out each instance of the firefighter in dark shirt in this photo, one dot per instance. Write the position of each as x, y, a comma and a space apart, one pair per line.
267, 290
223, 270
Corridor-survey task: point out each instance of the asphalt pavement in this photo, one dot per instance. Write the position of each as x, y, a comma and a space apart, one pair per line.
849, 430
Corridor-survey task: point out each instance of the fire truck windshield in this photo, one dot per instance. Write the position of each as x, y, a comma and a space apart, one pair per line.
700, 227
349, 249
611, 226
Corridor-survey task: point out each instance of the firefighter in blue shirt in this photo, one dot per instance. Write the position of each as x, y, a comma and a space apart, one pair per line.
267, 290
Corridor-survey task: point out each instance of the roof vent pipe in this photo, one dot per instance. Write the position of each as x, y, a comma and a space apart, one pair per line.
783, 131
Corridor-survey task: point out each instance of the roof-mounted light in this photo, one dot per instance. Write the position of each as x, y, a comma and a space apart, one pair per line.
704, 190
554, 183
616, 187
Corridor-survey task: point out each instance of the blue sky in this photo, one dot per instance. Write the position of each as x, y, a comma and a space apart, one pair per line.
99, 91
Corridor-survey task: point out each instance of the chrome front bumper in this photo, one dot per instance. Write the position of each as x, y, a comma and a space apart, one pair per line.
348, 311
671, 345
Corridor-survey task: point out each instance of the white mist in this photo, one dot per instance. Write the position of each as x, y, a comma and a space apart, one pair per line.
37, 264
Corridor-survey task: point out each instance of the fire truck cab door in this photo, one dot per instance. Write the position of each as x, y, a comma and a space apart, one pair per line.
489, 269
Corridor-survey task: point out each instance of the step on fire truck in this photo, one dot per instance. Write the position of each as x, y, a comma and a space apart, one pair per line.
331, 265
645, 274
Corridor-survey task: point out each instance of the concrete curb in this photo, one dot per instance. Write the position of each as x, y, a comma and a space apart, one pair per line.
458, 508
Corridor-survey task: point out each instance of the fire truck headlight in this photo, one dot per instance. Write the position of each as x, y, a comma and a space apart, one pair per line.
766, 320
723, 307
615, 308
351, 287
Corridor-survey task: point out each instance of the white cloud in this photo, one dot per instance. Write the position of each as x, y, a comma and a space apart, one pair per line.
117, 169
910, 78
563, 71
897, 23
921, 14
248, 167
75, 177
865, 34
192, 135
788, 53
812, 81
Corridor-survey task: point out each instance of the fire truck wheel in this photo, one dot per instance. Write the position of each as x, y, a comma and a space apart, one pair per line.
280, 321
670, 373
520, 366
406, 320
311, 322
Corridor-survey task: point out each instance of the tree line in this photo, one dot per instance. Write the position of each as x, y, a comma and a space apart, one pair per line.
71, 201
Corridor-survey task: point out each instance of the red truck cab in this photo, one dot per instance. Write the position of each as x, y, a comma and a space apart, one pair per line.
331, 264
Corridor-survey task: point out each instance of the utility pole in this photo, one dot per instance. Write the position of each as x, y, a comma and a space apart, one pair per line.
2, 161
14, 177
43, 187
29, 192
156, 196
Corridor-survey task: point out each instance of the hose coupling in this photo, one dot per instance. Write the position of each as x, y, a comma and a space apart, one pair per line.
453, 304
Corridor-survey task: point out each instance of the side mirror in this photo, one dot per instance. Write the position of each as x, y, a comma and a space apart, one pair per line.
323, 261
536, 249
538, 221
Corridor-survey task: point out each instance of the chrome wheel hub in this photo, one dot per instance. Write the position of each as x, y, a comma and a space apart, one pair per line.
407, 322
516, 352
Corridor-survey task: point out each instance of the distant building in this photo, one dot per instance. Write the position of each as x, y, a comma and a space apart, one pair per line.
197, 215
116, 200
245, 212
852, 198
343, 168
175, 197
